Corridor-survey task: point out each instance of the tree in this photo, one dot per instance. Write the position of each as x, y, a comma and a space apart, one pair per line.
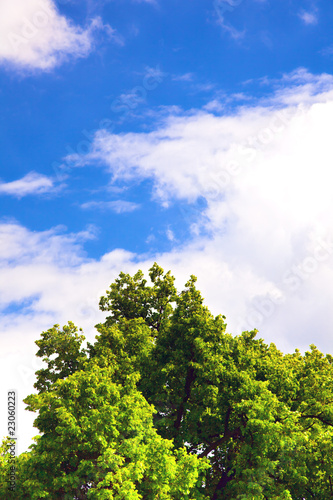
98, 441
167, 405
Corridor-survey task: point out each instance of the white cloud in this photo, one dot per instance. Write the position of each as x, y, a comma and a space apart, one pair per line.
170, 235
214, 106
226, 6
118, 206
186, 77
31, 184
327, 51
308, 18
34, 35
153, 2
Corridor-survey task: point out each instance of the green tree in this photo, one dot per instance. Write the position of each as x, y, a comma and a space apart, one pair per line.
167, 405
62, 351
98, 442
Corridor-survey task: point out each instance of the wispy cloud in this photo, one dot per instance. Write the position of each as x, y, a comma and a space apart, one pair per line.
170, 235
186, 77
214, 106
203, 87
226, 6
31, 184
34, 35
154, 73
327, 51
153, 2
132, 98
194, 86
308, 18
118, 206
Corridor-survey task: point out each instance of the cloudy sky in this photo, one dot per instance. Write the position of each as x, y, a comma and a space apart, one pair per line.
197, 134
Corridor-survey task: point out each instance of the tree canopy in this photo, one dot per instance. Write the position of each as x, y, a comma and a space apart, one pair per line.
167, 405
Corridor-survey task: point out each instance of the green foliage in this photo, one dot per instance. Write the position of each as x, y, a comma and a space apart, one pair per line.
131, 298
61, 350
167, 405
98, 441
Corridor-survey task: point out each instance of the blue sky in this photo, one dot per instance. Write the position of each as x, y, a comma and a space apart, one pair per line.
197, 55
194, 133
